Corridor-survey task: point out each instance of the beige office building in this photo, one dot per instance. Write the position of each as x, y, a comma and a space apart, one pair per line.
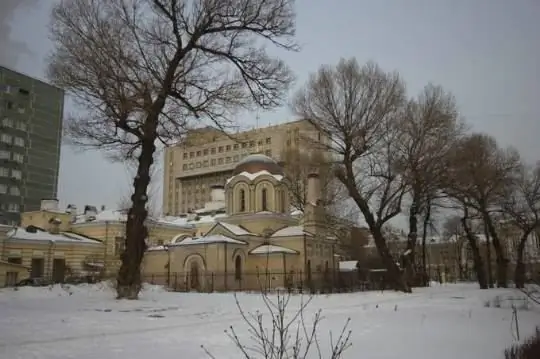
207, 157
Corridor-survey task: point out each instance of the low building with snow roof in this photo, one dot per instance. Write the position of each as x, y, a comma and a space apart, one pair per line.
247, 237
52, 255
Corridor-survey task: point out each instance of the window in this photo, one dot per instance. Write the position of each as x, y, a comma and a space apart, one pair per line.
184, 166
6, 138
191, 166
268, 153
198, 165
24, 92
220, 149
268, 140
16, 174
260, 142
205, 152
18, 157
264, 200
235, 158
7, 122
4, 155
3, 188
198, 153
228, 148
205, 163
228, 160
14, 191
185, 155
213, 150
220, 161
213, 161
160, 242
21, 126
19, 141
251, 143
236, 146
242, 200
9, 105
21, 109
244, 144
191, 154
4, 172
13, 207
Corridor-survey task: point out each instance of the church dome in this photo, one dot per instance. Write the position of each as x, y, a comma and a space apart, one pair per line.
256, 163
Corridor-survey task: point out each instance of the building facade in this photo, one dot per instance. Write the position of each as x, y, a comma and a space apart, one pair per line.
31, 113
256, 242
207, 157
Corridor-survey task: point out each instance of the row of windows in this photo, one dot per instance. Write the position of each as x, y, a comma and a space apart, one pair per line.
19, 125
9, 139
242, 200
5, 172
13, 90
13, 190
10, 207
219, 161
6, 155
227, 148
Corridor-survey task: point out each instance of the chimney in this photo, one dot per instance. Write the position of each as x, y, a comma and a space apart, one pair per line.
313, 189
54, 227
102, 207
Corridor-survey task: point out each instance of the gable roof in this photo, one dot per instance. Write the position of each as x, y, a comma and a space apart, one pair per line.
40, 235
291, 231
268, 249
231, 228
211, 239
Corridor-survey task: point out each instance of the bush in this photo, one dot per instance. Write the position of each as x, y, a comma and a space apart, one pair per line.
530, 349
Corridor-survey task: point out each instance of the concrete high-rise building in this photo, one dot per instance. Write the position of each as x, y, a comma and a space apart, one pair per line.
207, 157
31, 113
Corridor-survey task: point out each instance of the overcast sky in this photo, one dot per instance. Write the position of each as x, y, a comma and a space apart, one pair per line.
487, 52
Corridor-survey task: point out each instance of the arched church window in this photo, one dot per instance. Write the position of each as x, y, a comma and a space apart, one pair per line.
264, 199
238, 268
242, 200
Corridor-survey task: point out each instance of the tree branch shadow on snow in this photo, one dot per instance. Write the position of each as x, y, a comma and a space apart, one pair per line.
283, 334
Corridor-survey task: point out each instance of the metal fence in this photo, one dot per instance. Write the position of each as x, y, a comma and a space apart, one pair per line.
317, 282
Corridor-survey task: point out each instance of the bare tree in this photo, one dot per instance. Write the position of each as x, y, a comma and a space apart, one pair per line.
430, 130
521, 205
358, 109
478, 172
283, 334
472, 240
145, 71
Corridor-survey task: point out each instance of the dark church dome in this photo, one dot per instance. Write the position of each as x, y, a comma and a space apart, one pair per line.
256, 163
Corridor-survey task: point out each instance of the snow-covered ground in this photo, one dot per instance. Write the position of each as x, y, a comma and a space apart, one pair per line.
85, 322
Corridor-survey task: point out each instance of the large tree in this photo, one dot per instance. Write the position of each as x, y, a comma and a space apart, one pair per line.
430, 129
521, 206
358, 109
477, 174
145, 71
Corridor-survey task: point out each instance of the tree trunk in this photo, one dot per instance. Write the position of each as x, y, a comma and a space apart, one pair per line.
409, 258
392, 269
129, 276
477, 258
502, 261
424, 240
519, 274
488, 256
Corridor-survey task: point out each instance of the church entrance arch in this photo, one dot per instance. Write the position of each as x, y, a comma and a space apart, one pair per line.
194, 269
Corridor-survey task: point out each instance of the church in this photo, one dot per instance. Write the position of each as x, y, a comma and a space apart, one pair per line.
257, 243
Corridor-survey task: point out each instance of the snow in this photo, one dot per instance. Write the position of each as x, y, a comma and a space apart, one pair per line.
217, 238
348, 266
85, 322
272, 249
234, 229
252, 176
290, 232
20, 233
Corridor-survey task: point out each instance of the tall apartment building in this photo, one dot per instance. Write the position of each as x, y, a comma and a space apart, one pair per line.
31, 113
207, 157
